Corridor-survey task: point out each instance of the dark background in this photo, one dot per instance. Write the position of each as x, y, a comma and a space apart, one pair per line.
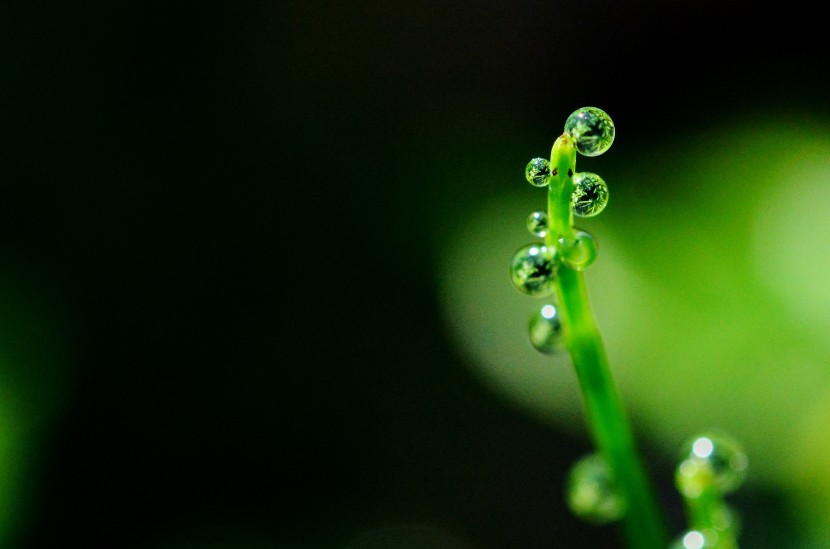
229, 212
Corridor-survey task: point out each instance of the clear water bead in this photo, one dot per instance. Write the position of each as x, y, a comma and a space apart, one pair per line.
591, 129
711, 459
537, 172
590, 194
579, 251
533, 270
591, 492
545, 330
537, 224
695, 539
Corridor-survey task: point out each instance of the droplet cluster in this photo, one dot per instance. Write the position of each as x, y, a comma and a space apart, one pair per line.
534, 267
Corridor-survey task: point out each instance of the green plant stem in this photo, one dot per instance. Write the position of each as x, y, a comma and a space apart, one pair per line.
701, 512
643, 525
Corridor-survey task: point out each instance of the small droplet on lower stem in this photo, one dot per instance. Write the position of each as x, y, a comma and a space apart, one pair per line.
592, 493
545, 331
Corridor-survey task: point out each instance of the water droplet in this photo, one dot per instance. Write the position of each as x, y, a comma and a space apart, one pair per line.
537, 172
579, 251
537, 224
591, 492
695, 539
591, 129
590, 194
533, 270
711, 459
545, 330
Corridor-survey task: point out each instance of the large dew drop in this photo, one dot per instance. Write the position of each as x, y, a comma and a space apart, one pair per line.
537, 224
537, 172
545, 331
591, 492
592, 130
533, 270
579, 251
711, 460
590, 194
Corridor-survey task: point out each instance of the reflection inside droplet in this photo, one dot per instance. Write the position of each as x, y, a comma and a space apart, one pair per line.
545, 331
590, 195
537, 172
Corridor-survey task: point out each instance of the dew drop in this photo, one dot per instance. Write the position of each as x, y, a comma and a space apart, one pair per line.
545, 330
592, 130
533, 270
590, 194
711, 459
537, 224
579, 251
695, 539
591, 492
537, 172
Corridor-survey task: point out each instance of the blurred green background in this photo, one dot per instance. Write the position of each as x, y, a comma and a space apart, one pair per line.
253, 287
